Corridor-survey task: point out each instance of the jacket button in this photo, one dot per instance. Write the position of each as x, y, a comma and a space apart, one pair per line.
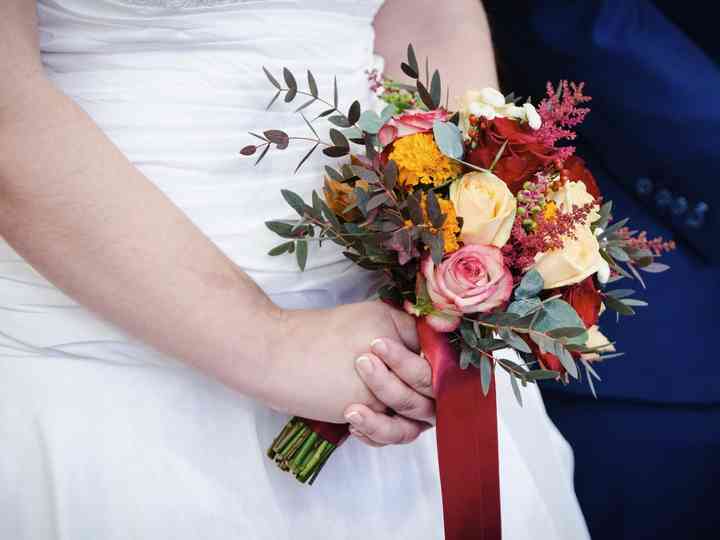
696, 218
643, 186
663, 199
679, 206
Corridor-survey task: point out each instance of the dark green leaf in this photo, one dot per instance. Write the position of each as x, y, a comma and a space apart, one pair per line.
279, 250
468, 334
280, 228
412, 59
330, 216
512, 339
335, 93
338, 139
618, 253
436, 89
570, 332
339, 120
413, 206
294, 200
273, 100
531, 285
289, 79
291, 93
485, 374
305, 158
390, 175
305, 105
466, 357
433, 209
272, 79
437, 249
312, 84
541, 375
617, 305
620, 293
262, 154
336, 151
354, 112
301, 252
425, 96
376, 201
333, 174
409, 71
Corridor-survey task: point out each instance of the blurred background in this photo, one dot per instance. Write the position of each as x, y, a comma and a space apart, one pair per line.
647, 449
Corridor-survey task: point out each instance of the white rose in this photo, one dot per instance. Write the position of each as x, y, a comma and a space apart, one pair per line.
574, 194
596, 339
487, 207
579, 258
490, 103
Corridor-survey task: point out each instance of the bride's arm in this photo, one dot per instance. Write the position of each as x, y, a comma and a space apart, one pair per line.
455, 36
75, 208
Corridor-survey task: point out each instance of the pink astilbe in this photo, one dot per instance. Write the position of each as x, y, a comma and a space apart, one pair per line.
546, 235
560, 112
657, 246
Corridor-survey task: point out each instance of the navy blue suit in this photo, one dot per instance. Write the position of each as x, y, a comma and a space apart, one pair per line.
647, 450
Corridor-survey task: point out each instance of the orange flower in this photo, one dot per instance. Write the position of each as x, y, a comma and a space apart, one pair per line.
339, 196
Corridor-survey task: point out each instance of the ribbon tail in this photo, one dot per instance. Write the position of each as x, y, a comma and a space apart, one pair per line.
467, 442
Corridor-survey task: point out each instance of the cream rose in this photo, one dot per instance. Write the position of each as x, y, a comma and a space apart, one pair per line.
596, 339
487, 207
574, 194
490, 104
578, 259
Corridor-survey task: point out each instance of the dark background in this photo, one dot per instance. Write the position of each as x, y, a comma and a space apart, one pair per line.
647, 451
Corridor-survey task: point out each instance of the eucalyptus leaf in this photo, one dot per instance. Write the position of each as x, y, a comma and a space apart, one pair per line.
370, 122
294, 200
301, 252
531, 285
512, 339
655, 268
272, 79
524, 306
449, 139
279, 250
485, 374
312, 84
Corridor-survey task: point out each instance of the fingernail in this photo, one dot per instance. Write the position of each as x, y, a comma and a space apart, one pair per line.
356, 432
355, 418
379, 346
364, 365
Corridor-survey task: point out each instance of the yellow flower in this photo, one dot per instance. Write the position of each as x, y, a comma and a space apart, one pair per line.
550, 211
420, 161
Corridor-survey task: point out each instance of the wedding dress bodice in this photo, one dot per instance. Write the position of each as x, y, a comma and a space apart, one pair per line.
177, 85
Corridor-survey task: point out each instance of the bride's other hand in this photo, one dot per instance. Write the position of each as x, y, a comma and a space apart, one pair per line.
320, 367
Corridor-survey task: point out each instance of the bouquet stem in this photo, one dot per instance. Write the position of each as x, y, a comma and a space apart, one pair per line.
303, 447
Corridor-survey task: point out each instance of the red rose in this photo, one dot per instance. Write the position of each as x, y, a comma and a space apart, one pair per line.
522, 158
585, 299
574, 169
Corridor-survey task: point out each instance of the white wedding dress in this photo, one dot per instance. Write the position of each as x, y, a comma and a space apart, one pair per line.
103, 438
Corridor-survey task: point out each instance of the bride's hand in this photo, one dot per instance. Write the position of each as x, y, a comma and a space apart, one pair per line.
397, 376
318, 369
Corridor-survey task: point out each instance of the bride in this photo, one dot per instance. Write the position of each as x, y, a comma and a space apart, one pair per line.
149, 349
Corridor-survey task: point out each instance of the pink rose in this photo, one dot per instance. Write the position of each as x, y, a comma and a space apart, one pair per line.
410, 122
474, 279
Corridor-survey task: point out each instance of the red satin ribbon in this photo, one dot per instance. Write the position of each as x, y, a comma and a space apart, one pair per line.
467, 442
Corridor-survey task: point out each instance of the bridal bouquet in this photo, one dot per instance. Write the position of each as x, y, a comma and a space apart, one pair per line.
488, 229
